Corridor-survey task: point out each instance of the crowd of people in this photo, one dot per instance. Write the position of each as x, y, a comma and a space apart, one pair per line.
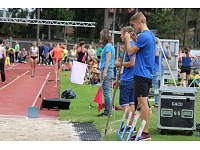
54, 55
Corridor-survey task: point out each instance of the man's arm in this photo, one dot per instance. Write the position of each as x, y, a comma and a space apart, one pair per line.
128, 64
168, 51
131, 49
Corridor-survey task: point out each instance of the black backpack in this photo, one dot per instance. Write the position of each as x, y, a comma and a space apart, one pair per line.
68, 94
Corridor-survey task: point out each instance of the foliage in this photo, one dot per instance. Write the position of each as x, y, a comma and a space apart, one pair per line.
169, 22
163, 22
89, 15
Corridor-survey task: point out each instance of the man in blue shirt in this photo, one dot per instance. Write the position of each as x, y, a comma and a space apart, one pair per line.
126, 99
155, 80
44, 54
50, 61
145, 48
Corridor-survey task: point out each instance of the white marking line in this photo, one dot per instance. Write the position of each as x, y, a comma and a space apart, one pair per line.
11, 67
17, 116
13, 80
41, 89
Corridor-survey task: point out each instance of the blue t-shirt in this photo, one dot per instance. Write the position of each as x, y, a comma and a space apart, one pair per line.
45, 49
111, 49
128, 73
144, 64
50, 48
156, 64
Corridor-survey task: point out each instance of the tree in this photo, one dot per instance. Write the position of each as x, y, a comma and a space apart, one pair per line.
38, 26
162, 21
105, 18
55, 14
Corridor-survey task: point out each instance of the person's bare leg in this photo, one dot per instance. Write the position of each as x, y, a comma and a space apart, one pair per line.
58, 73
183, 76
130, 108
187, 77
55, 67
145, 113
34, 66
31, 60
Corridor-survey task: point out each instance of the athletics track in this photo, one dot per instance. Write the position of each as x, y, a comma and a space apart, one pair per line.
20, 91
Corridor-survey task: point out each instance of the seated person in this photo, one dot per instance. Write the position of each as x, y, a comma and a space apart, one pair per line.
20, 57
7, 60
95, 71
24, 54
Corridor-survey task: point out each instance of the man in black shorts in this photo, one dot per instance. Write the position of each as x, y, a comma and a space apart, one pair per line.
145, 48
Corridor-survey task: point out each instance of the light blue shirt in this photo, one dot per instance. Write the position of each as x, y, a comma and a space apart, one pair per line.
107, 49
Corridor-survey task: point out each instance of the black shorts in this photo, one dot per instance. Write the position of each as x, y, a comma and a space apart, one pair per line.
34, 57
186, 69
141, 86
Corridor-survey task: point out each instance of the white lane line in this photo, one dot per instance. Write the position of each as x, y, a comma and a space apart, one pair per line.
40, 90
13, 80
11, 67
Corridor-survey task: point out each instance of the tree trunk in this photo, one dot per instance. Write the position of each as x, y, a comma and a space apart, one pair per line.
186, 27
114, 19
196, 33
106, 18
38, 26
49, 32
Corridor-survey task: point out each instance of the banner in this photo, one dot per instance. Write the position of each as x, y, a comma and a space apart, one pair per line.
78, 72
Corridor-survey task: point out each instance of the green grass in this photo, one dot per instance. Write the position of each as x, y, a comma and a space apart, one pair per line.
80, 112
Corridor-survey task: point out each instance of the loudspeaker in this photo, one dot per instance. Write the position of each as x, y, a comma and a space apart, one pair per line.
55, 103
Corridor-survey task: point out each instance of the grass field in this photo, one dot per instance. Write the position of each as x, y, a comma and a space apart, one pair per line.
81, 112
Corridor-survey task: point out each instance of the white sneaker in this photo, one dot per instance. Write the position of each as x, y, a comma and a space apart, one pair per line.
58, 79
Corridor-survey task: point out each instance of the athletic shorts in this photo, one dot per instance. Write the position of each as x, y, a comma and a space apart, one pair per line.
34, 57
55, 59
71, 60
126, 93
186, 69
141, 86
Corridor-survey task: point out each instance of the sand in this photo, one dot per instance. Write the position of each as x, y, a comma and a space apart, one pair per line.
12, 129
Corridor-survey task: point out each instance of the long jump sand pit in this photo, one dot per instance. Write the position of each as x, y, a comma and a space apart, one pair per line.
12, 129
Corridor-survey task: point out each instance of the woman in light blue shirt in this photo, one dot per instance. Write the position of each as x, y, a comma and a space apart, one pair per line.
106, 68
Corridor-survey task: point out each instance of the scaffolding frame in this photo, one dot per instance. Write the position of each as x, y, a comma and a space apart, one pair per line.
47, 22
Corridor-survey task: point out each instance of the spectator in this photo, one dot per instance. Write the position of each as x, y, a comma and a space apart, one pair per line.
17, 49
186, 63
41, 49
50, 60
24, 54
106, 68
11, 52
2, 61
155, 81
44, 54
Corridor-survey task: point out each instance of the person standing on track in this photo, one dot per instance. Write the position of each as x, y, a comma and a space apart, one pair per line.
2, 61
34, 54
57, 59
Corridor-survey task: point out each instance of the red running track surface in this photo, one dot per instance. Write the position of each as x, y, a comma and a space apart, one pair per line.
21, 91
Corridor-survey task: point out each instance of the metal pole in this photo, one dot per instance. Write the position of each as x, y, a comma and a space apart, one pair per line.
38, 25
